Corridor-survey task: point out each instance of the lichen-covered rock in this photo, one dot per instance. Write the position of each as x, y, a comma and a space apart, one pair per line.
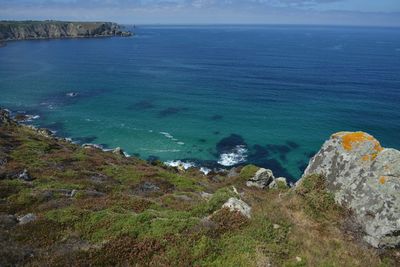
235, 204
365, 178
261, 179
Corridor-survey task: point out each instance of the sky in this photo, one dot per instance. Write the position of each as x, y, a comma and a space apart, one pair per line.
321, 12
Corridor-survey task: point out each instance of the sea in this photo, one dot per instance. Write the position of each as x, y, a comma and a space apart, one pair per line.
213, 96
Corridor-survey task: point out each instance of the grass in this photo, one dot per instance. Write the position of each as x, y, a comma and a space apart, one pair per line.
175, 227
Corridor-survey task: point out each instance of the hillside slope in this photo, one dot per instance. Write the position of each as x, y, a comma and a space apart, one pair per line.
66, 205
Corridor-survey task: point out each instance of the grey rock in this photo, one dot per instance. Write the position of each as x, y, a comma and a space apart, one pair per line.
24, 175
365, 178
235, 204
261, 179
30, 217
206, 196
278, 182
119, 151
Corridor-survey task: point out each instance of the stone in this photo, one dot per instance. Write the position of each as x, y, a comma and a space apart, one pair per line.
235, 204
119, 151
365, 178
206, 196
24, 175
30, 217
277, 183
261, 179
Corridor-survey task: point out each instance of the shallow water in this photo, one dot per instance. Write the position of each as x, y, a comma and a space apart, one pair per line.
269, 95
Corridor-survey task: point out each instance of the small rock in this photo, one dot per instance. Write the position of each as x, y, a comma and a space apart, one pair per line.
206, 195
73, 193
24, 175
298, 259
234, 204
44, 132
261, 179
278, 183
276, 226
30, 217
119, 151
5, 117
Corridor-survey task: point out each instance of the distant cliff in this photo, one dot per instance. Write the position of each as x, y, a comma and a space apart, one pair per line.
27, 30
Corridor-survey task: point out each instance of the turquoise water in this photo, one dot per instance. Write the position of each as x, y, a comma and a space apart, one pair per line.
269, 95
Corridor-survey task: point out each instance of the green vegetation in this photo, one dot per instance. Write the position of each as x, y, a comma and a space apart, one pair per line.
96, 208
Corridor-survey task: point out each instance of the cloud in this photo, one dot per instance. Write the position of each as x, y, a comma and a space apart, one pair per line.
199, 11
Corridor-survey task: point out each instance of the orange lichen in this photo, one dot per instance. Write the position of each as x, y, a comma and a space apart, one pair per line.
366, 157
349, 139
382, 179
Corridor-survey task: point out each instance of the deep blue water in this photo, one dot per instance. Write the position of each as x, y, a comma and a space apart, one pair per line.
269, 95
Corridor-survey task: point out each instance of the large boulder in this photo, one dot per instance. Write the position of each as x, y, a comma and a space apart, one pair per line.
364, 177
237, 205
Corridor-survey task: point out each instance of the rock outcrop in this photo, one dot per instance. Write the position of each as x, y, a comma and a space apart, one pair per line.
261, 179
235, 204
364, 177
264, 178
26, 30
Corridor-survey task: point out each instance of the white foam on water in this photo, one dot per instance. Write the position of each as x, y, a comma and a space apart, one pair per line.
205, 170
179, 163
238, 155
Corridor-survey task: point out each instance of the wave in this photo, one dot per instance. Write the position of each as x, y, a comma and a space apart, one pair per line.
236, 156
185, 165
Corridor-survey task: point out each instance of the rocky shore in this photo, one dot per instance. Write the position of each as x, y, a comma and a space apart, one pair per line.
63, 204
31, 30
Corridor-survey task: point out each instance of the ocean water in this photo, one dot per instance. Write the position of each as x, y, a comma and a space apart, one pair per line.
212, 95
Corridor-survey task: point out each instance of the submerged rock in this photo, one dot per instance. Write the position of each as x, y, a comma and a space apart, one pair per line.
365, 178
235, 204
261, 179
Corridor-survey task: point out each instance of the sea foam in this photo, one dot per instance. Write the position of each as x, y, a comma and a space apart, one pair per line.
236, 156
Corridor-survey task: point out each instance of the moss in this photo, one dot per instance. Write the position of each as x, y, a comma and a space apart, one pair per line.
217, 200
123, 173
320, 204
181, 183
67, 215
248, 171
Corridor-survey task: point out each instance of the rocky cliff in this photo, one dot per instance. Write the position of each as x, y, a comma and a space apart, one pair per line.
25, 30
364, 177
